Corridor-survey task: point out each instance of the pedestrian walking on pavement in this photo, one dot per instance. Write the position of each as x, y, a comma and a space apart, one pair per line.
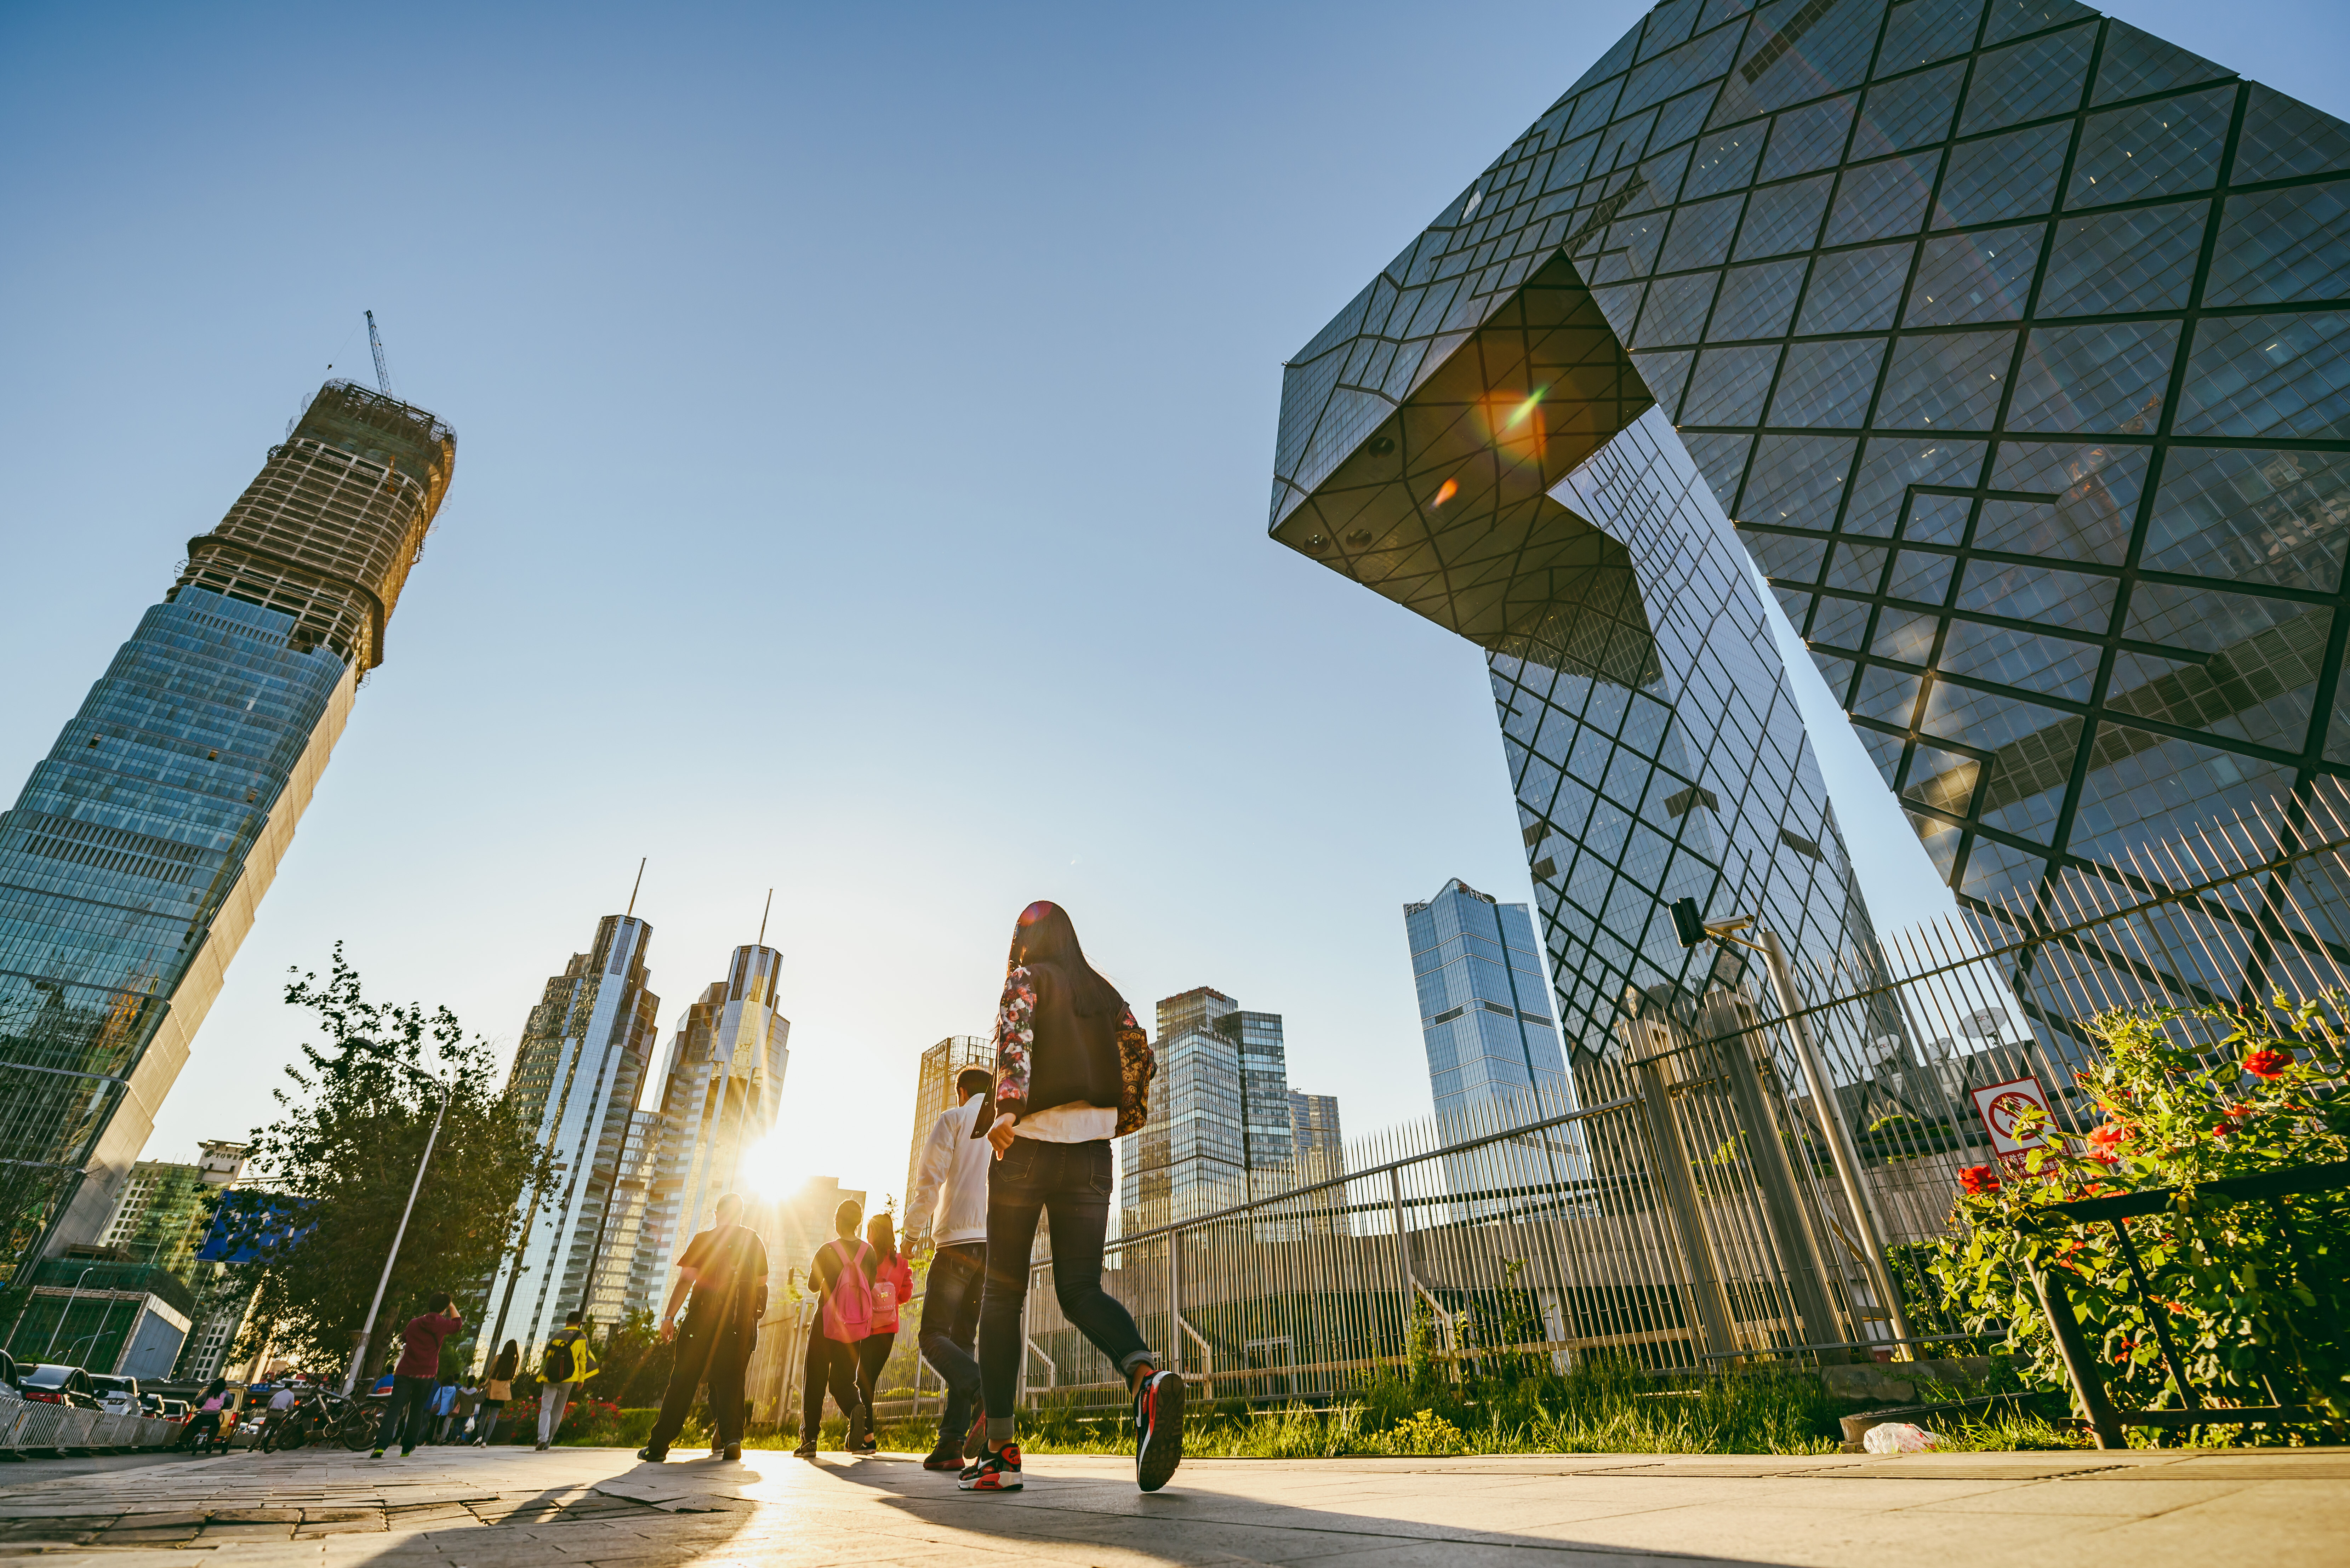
406, 1415
893, 1287
841, 1273
1072, 1070
444, 1409
568, 1361
496, 1389
949, 1210
725, 1268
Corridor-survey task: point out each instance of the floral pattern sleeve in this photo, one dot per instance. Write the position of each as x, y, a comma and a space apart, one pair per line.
1015, 1041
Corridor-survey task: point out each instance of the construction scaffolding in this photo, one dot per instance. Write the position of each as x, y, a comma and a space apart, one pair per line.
329, 529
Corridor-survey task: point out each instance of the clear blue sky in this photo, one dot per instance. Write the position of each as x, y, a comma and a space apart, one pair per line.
865, 422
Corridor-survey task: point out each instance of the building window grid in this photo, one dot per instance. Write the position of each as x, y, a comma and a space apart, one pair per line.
2064, 204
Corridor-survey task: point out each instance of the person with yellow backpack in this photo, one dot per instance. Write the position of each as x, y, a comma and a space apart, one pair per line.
568, 1360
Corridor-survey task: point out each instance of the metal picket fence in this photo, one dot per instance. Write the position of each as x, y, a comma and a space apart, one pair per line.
32, 1426
1683, 1206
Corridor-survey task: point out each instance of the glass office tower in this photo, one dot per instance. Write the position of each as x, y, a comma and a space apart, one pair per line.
1484, 1003
2005, 331
1219, 1112
577, 1074
721, 1087
132, 863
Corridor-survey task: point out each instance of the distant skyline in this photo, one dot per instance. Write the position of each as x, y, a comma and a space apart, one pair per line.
856, 405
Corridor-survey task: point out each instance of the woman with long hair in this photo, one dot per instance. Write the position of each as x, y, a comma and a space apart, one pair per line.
1060, 1037
892, 1285
496, 1389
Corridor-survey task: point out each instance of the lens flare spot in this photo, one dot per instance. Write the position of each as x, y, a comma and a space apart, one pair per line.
1445, 492
1525, 410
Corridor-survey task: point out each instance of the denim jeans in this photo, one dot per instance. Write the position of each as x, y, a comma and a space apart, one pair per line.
1069, 1183
949, 1328
408, 1414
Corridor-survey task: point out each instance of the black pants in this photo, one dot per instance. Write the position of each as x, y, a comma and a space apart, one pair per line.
950, 1326
1069, 1184
872, 1355
711, 1352
408, 1415
828, 1364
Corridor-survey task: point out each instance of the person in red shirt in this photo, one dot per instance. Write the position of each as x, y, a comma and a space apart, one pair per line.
415, 1375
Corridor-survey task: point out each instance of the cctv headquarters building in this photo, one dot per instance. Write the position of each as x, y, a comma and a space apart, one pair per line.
2008, 341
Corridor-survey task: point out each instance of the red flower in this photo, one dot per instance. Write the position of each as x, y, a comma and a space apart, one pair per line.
2105, 1142
2268, 1061
1978, 1179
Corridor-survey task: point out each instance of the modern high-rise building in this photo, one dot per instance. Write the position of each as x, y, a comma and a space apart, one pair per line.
132, 863
2007, 334
577, 1074
1219, 1112
621, 1282
165, 1207
1484, 1005
934, 1091
721, 1085
1318, 1147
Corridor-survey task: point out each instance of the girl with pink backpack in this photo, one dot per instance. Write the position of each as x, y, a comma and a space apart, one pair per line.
842, 1273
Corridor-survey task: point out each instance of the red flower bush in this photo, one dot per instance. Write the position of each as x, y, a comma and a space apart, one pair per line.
1978, 1179
2268, 1061
2105, 1142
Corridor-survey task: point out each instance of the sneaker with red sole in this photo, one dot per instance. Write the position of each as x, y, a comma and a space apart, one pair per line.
975, 1442
945, 1457
996, 1471
1158, 1429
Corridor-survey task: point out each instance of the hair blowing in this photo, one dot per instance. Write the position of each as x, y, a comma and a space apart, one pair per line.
1045, 935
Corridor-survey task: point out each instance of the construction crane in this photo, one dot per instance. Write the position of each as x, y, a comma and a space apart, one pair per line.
375, 341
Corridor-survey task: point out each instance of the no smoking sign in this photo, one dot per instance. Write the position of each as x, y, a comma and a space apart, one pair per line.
2004, 1107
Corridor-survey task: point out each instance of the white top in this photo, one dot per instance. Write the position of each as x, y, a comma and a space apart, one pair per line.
284, 1399
951, 1188
1075, 1122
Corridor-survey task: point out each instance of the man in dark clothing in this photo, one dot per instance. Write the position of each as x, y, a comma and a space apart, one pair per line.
409, 1413
725, 1267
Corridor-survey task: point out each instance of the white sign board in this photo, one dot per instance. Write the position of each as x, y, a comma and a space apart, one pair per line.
2002, 1106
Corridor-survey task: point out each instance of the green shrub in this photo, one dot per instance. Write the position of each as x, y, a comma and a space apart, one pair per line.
2256, 1296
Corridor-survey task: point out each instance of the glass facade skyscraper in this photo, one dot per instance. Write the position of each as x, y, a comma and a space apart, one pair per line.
578, 1073
2005, 331
1484, 1003
1220, 1111
132, 863
721, 1085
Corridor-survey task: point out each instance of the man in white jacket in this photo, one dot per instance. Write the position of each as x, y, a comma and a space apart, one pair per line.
949, 1206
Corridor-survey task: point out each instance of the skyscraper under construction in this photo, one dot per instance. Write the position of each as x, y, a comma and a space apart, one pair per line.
134, 860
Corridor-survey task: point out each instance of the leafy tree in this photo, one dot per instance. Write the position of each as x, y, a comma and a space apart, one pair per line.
342, 1157
634, 1361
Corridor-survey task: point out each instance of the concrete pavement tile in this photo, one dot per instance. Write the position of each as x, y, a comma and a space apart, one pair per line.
2088, 1499
1816, 1539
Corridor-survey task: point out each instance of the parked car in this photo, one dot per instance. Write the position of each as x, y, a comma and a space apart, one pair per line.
116, 1396
172, 1411
58, 1385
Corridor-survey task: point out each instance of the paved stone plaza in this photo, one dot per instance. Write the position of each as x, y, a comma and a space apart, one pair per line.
512, 1508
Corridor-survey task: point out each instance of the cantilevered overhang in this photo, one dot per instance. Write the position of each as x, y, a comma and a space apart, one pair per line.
1439, 500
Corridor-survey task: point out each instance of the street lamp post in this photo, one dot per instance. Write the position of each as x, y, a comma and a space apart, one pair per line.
71, 1297
1694, 928
384, 1282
